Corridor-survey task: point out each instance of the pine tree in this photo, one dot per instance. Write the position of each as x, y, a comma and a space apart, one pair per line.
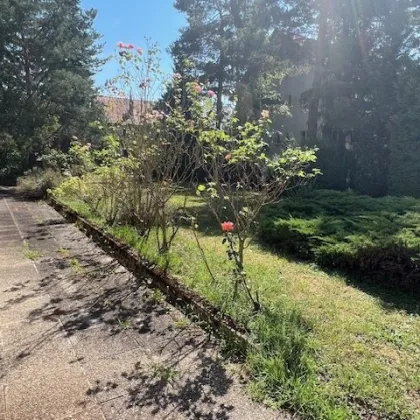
360, 45
404, 173
48, 55
244, 48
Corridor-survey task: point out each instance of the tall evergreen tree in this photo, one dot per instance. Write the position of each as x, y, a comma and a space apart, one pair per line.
48, 55
360, 45
404, 171
244, 47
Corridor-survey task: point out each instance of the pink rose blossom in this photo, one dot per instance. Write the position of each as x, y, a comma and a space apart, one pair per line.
123, 46
211, 94
197, 88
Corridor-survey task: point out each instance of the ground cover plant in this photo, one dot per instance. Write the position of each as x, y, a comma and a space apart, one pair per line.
378, 238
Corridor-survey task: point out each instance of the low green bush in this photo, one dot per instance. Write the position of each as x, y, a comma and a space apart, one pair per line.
10, 158
376, 237
36, 182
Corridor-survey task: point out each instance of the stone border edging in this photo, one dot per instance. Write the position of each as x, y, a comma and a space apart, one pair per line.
176, 293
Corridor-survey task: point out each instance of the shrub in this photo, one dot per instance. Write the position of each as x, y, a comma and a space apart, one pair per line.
36, 182
375, 237
10, 158
395, 265
56, 160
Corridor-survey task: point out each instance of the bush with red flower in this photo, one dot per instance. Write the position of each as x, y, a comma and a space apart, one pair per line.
159, 156
243, 179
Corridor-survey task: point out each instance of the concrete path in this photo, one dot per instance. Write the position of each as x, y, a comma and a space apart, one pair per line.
80, 339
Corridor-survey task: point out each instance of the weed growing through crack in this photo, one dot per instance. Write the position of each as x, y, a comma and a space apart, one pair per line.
164, 373
29, 253
156, 297
182, 323
76, 266
64, 252
39, 219
125, 324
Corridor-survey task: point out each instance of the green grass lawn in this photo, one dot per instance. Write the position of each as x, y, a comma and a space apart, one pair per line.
328, 350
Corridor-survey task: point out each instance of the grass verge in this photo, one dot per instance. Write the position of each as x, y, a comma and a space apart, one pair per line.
328, 350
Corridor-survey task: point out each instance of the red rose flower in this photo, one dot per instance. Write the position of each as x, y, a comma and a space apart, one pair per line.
227, 226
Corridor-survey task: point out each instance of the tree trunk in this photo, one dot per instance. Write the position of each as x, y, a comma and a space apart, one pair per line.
221, 73
26, 67
220, 82
314, 106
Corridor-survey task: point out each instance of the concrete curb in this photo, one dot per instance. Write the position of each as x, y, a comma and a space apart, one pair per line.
176, 293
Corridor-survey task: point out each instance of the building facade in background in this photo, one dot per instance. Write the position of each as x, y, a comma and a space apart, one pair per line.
294, 127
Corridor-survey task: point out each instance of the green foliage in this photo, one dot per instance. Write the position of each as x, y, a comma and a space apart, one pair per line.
56, 160
156, 297
375, 237
69, 187
48, 53
36, 183
163, 373
10, 158
30, 253
283, 366
242, 179
244, 49
82, 159
135, 188
405, 134
76, 265
356, 89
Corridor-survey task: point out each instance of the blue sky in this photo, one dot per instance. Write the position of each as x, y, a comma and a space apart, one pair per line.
130, 21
